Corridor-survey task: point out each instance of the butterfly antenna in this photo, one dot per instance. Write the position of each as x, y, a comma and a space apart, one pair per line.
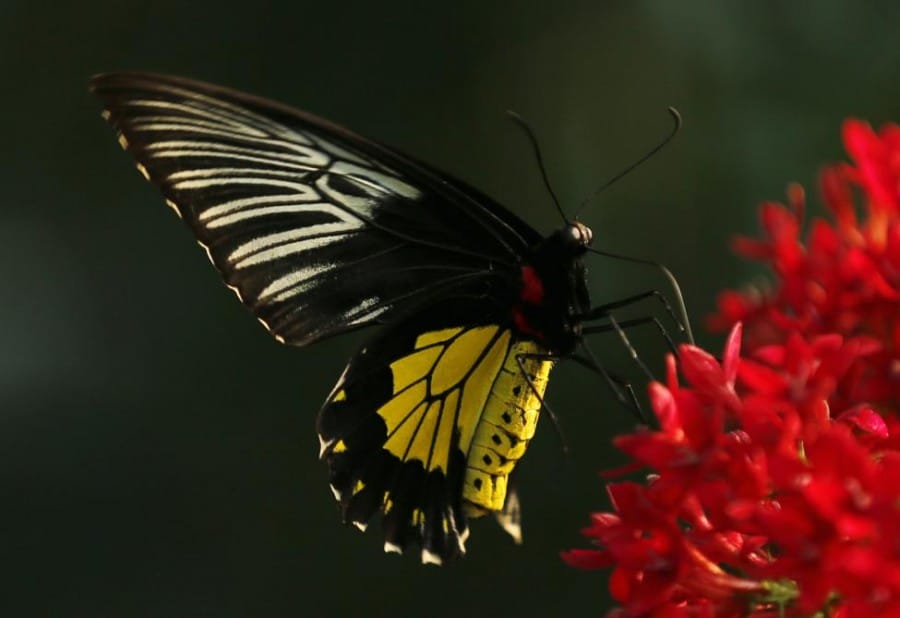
676, 119
523, 124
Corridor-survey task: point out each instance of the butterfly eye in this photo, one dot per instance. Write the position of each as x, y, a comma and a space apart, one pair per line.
579, 235
587, 234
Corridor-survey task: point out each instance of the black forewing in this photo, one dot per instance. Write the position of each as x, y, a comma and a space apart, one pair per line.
316, 229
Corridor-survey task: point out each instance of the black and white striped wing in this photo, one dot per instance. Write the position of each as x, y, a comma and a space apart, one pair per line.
316, 229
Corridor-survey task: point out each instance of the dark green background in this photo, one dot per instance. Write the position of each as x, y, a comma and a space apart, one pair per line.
157, 452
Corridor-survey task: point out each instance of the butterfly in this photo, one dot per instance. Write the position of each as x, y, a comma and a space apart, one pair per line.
319, 231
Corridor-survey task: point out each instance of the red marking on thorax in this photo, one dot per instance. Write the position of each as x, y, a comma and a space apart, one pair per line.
532, 286
522, 324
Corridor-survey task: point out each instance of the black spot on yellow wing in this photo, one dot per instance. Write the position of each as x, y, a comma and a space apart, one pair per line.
425, 427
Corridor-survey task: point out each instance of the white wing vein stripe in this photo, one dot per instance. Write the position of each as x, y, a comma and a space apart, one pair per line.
302, 154
229, 171
185, 127
193, 125
289, 285
205, 183
215, 109
212, 149
243, 215
338, 152
223, 120
189, 126
365, 316
193, 119
237, 112
345, 223
330, 233
216, 154
375, 179
246, 202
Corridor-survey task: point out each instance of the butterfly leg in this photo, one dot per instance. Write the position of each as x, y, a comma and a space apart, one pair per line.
685, 322
620, 388
520, 358
620, 327
602, 311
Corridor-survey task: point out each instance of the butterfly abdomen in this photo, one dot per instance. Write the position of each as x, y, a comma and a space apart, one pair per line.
507, 424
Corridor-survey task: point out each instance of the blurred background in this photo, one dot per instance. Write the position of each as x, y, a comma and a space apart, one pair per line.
157, 448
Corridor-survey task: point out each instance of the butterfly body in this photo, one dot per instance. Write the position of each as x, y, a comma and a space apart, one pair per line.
553, 295
319, 231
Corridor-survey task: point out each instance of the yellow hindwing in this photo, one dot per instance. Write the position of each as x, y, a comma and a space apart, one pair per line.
466, 382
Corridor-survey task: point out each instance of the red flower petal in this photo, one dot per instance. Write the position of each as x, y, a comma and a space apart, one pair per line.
865, 419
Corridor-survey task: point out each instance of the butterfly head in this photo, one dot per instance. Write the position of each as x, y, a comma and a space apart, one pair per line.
577, 237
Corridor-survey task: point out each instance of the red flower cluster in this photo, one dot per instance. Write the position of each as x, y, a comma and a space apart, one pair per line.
775, 486
846, 277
